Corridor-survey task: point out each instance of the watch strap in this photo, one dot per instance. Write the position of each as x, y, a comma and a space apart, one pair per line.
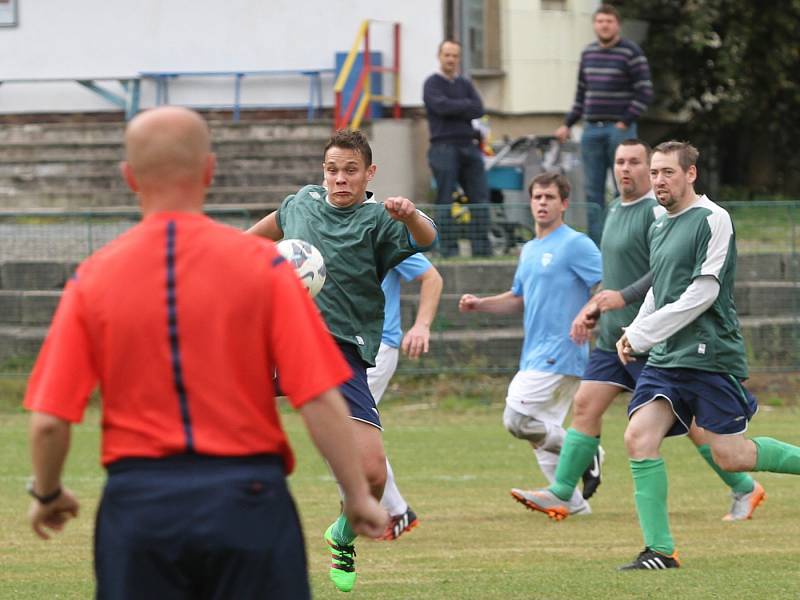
46, 498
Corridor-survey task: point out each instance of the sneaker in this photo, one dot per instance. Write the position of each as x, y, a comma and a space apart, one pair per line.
547, 502
650, 559
744, 505
399, 524
592, 475
343, 567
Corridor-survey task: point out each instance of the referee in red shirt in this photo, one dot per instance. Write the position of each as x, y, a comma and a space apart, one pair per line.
182, 322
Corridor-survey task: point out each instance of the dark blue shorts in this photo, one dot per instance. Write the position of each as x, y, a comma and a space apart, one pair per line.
356, 389
717, 401
606, 367
193, 526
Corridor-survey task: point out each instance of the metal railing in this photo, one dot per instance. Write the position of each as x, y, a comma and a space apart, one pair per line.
361, 96
128, 100
162, 80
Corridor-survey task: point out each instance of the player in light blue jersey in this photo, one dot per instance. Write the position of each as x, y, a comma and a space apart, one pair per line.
553, 281
414, 343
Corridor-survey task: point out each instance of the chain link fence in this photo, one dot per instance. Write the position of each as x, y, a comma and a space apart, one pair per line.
39, 250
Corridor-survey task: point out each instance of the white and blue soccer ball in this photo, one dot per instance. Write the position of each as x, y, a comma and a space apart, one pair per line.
307, 262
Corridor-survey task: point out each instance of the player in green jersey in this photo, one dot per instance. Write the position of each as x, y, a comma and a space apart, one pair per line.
360, 240
697, 359
626, 260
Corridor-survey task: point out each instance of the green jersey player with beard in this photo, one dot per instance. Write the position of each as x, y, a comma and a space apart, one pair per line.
697, 359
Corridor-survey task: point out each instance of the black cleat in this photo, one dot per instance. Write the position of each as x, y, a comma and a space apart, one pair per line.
400, 524
592, 475
652, 560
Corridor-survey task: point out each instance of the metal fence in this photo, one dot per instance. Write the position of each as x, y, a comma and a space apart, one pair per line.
38, 251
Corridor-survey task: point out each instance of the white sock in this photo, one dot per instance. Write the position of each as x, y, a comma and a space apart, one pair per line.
548, 461
554, 439
392, 500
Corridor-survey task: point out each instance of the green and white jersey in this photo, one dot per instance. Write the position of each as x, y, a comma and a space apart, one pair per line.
625, 248
359, 244
699, 240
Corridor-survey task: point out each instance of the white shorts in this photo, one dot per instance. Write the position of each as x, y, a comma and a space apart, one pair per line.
378, 377
545, 396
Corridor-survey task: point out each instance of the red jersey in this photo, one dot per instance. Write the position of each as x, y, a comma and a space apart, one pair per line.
182, 321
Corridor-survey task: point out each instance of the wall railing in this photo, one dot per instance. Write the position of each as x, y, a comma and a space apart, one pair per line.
163, 79
352, 115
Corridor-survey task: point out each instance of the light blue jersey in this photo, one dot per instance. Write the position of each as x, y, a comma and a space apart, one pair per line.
554, 276
409, 269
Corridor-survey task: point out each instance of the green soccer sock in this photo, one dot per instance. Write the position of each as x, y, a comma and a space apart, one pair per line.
740, 483
342, 533
576, 454
776, 456
650, 494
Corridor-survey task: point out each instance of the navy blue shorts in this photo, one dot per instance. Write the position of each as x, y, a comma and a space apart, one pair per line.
356, 389
606, 367
193, 526
717, 401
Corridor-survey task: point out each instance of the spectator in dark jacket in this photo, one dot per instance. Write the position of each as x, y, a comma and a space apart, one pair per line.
451, 103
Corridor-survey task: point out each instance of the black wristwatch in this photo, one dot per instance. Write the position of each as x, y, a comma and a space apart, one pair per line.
47, 499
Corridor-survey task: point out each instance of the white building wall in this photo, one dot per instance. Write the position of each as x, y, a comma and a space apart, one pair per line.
102, 38
541, 52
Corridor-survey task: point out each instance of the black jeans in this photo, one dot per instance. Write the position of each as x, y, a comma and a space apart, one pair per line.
194, 526
460, 164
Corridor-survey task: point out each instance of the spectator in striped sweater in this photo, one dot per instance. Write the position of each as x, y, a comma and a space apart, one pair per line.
614, 89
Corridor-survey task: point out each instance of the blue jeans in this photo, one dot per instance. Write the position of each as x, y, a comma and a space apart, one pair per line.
598, 144
460, 164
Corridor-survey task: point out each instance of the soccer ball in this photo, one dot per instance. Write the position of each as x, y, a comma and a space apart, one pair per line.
307, 262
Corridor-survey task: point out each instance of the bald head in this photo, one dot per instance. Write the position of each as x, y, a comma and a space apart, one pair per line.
166, 148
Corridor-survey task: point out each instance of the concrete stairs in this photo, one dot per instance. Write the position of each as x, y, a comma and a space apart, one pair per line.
49, 170
55, 168
768, 310
75, 166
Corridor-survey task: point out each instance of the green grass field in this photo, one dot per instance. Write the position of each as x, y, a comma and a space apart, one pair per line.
455, 464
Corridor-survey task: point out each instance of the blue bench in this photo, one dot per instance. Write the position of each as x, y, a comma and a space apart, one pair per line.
162, 80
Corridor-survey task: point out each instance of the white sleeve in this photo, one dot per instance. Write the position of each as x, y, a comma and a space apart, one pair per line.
648, 306
647, 330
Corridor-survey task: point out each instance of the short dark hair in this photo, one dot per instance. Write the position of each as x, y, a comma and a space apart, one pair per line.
687, 154
607, 9
637, 142
350, 140
549, 178
447, 41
